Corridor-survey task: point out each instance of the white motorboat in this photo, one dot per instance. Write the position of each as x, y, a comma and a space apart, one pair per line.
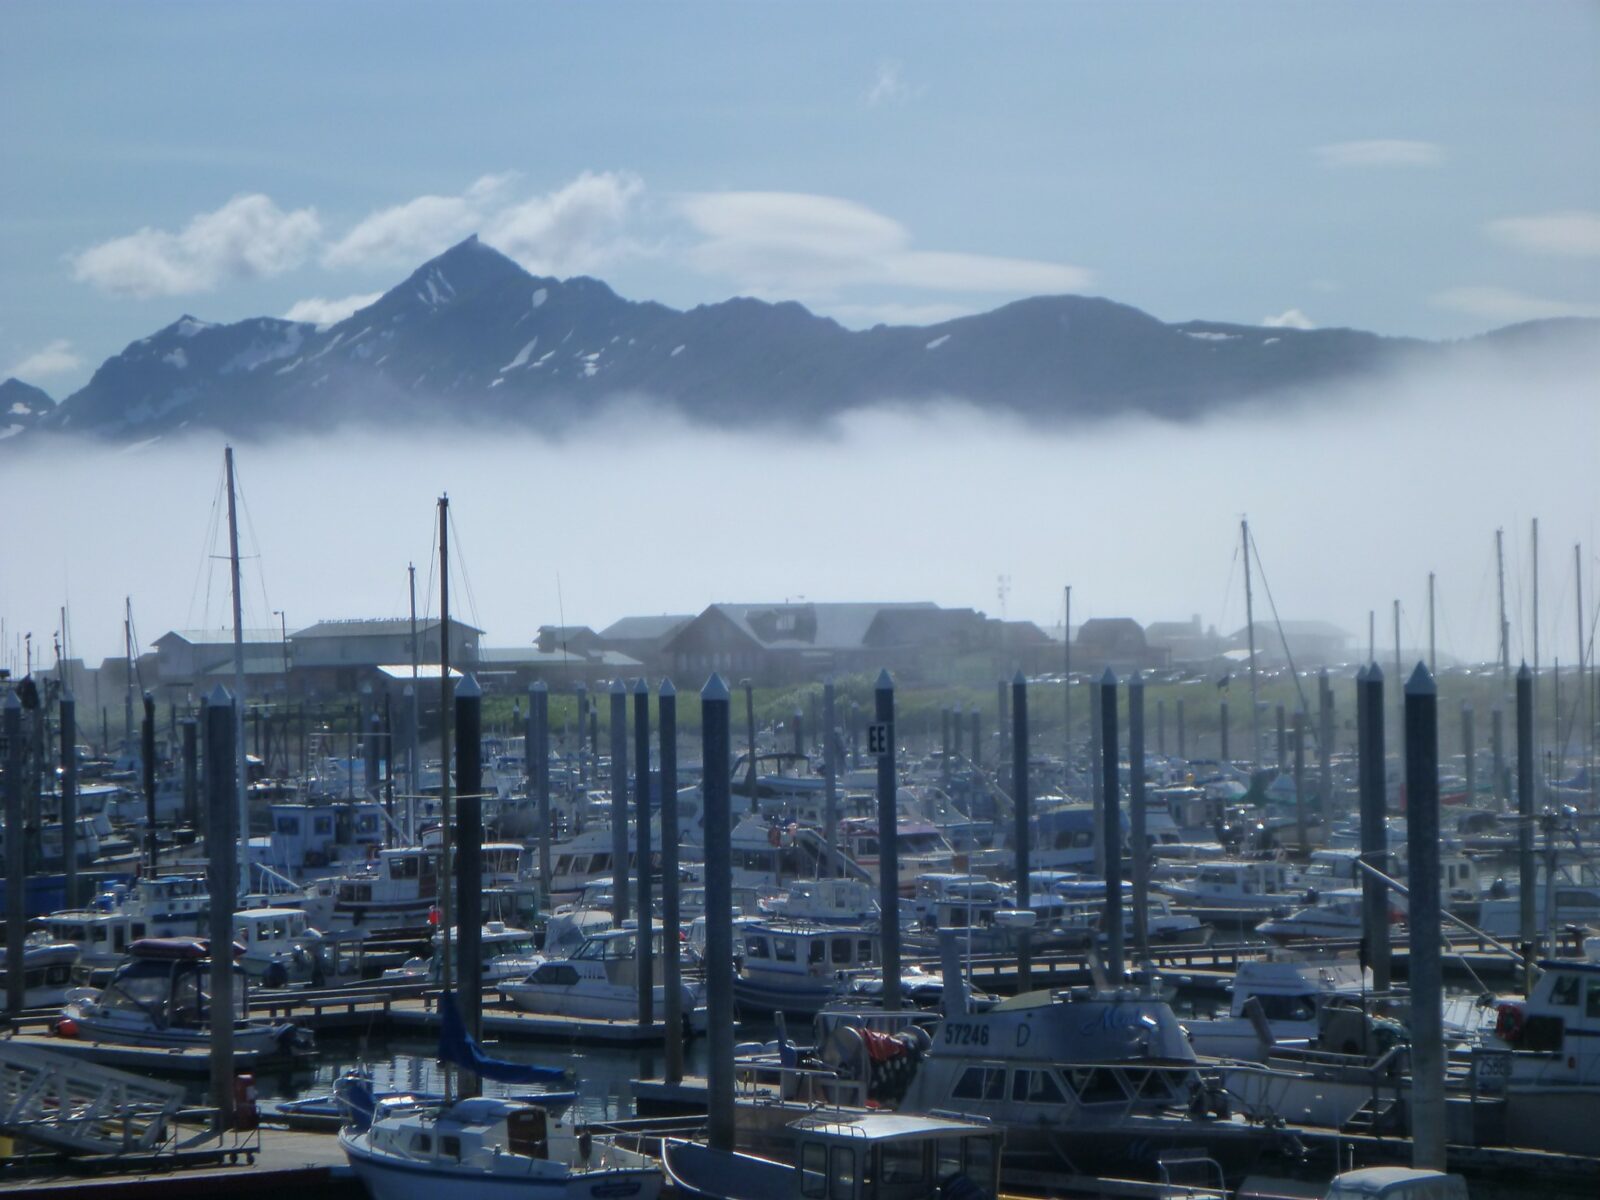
1331, 915
1552, 1079
47, 971
159, 997
865, 1156
506, 953
797, 968
600, 979
489, 1148
1291, 991
280, 947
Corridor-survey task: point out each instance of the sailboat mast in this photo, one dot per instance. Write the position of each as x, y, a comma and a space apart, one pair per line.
1536, 644
1250, 633
240, 781
413, 758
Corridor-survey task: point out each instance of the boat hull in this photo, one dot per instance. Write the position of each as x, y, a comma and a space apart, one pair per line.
387, 1178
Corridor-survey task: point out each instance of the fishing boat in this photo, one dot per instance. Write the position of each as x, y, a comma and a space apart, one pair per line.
159, 997
279, 946
47, 971
1092, 1082
506, 953
600, 980
852, 1156
1552, 1079
1291, 991
487, 1147
797, 967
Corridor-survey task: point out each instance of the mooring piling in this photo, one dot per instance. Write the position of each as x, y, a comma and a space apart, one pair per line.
720, 1016
645, 942
1020, 797
1425, 968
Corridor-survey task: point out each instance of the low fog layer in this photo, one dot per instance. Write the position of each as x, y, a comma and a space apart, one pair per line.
1353, 496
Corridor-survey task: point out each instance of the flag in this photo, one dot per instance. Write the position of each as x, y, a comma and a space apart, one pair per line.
457, 1046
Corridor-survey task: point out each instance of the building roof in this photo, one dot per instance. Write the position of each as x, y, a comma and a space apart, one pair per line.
221, 637
373, 627
256, 662
532, 656
1321, 629
809, 626
426, 672
640, 628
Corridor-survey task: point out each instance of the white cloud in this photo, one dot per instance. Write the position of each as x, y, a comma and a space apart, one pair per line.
1291, 318
575, 228
328, 312
57, 358
888, 86
248, 236
1381, 152
793, 243
572, 230
1504, 304
408, 233
1567, 233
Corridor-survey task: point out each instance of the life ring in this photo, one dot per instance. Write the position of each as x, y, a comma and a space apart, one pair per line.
1508, 1024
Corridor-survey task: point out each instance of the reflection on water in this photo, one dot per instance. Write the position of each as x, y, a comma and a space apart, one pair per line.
601, 1074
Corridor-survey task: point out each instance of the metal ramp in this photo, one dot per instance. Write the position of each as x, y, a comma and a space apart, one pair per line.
79, 1107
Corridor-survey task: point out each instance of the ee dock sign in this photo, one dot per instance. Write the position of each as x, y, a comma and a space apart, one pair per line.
878, 739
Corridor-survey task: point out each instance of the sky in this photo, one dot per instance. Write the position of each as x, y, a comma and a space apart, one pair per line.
1430, 170
1420, 169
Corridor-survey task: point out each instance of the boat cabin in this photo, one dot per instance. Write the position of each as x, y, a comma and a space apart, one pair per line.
771, 947
893, 1156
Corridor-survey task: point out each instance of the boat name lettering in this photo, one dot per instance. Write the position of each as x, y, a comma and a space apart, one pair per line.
964, 1034
1113, 1016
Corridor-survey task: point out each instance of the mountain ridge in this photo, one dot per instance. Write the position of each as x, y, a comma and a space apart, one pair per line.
472, 336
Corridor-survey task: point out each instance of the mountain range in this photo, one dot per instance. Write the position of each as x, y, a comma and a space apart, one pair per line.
471, 337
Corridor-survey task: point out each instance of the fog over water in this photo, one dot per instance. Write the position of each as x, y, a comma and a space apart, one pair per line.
1353, 495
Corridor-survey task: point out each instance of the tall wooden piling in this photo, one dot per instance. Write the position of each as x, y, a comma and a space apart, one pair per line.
1113, 825
69, 791
1022, 833
537, 751
1497, 756
221, 868
671, 909
16, 858
1527, 872
581, 695
147, 763
645, 943
620, 908
1324, 747
1469, 752
1283, 740
1183, 745
1222, 733
1374, 833
799, 733
1136, 818
1002, 725
1161, 725
830, 767
944, 748
1425, 976
750, 740
720, 1015
1097, 791
1298, 740
972, 737
469, 861
888, 841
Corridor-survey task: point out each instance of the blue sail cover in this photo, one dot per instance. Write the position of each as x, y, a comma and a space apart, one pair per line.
457, 1046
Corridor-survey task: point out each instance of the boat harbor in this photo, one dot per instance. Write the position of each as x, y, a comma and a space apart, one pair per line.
880, 961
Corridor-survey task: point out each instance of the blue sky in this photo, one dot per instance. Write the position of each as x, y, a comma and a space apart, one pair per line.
1424, 169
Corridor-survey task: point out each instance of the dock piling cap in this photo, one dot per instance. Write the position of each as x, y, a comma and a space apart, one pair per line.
714, 690
641, 687
218, 697
1109, 679
1421, 682
885, 681
1019, 679
467, 689
666, 687
538, 685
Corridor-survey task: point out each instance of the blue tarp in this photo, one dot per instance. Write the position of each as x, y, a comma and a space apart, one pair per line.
457, 1046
